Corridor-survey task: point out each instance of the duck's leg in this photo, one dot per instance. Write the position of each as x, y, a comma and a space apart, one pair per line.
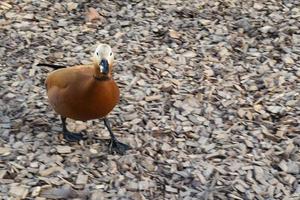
69, 136
114, 144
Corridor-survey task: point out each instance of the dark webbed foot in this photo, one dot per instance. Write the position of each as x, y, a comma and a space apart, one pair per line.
72, 137
69, 136
118, 147
114, 144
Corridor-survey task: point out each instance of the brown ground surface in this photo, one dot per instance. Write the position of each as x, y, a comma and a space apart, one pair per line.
210, 100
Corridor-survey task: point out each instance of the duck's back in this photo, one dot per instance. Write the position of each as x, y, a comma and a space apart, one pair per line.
61, 77
75, 93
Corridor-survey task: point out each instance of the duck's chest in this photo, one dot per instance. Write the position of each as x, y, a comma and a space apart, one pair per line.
103, 93
94, 101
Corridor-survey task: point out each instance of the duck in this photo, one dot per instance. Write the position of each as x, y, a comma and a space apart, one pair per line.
85, 92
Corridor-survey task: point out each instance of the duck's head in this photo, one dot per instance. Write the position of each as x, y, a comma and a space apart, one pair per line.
103, 61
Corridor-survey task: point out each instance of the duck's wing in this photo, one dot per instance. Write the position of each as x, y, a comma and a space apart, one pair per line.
74, 75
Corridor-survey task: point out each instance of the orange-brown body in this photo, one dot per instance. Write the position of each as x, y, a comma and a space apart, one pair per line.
75, 93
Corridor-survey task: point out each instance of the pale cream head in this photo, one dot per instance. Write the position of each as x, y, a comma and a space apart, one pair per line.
103, 51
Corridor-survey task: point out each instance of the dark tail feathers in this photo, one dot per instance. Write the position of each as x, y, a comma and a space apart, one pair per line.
52, 66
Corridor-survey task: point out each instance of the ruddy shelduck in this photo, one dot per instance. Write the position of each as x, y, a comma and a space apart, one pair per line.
85, 92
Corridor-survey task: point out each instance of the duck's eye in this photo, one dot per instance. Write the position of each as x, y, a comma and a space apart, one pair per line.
97, 54
110, 54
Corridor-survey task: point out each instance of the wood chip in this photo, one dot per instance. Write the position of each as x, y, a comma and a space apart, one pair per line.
92, 14
174, 34
18, 191
171, 189
50, 170
189, 54
63, 149
153, 98
4, 151
209, 100
81, 179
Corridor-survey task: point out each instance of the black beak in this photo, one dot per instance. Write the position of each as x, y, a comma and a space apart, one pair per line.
104, 68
